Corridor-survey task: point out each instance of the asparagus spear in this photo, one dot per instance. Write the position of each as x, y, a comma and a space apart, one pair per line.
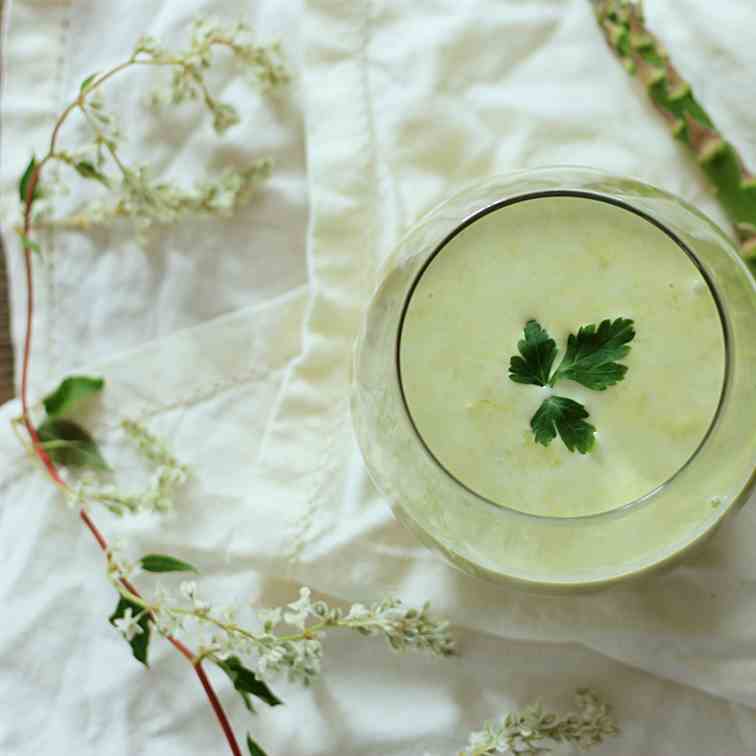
642, 54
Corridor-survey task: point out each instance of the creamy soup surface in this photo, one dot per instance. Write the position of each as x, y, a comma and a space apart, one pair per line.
565, 261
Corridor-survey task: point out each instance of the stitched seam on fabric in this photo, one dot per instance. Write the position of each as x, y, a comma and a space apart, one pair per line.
50, 316
304, 530
368, 272
307, 529
386, 181
203, 394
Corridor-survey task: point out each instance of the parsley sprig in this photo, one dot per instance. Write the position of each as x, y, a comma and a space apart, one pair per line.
590, 360
591, 355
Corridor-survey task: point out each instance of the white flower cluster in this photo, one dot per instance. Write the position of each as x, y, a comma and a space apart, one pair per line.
148, 201
128, 625
120, 567
139, 195
404, 628
531, 730
263, 64
105, 126
153, 201
154, 449
299, 654
158, 496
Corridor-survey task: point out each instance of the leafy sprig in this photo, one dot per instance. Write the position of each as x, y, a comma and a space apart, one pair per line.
590, 360
287, 640
592, 354
268, 650
538, 352
134, 191
558, 414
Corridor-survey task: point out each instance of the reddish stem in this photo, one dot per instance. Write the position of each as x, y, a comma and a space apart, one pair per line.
218, 709
53, 472
32, 185
94, 530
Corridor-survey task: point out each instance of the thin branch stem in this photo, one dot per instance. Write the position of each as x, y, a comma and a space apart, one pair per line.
38, 448
218, 709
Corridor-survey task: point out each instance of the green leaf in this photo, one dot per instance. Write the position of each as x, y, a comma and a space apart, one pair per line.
163, 563
88, 170
247, 683
85, 84
139, 643
29, 244
70, 392
751, 262
568, 418
23, 185
538, 352
78, 448
591, 355
254, 749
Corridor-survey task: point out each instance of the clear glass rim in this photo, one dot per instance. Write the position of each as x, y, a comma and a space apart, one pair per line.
646, 498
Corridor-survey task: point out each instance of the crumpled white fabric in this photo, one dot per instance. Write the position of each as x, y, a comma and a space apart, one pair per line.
402, 103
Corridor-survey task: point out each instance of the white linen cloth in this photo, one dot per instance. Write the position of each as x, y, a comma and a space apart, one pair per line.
402, 104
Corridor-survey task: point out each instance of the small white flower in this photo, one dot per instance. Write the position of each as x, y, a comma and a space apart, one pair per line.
128, 625
160, 595
270, 617
358, 612
224, 116
296, 619
188, 589
119, 566
301, 610
168, 623
303, 602
228, 614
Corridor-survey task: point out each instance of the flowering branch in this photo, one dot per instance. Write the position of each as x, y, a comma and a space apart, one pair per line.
137, 195
141, 200
285, 640
530, 730
59, 442
298, 654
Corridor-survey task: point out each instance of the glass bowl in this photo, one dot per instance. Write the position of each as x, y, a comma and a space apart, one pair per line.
536, 551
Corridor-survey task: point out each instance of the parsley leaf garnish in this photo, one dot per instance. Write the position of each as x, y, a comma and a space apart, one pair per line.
568, 418
538, 352
591, 355
590, 359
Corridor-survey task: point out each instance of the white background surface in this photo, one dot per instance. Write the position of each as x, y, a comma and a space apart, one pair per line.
398, 104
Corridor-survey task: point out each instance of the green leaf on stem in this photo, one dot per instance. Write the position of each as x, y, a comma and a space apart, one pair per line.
163, 563
69, 445
23, 185
85, 84
538, 352
70, 392
29, 244
139, 641
590, 357
568, 418
247, 683
254, 749
88, 170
